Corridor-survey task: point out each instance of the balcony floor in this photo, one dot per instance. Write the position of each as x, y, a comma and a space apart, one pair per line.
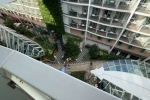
145, 30
104, 21
82, 16
82, 27
101, 33
109, 6
86, 2
132, 27
94, 18
117, 23
124, 8
92, 30
97, 4
143, 11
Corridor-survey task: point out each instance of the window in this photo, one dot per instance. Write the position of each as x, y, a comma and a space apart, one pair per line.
91, 35
109, 40
82, 32
99, 38
143, 51
130, 47
119, 43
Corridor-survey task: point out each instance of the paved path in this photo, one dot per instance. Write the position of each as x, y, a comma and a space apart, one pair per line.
77, 66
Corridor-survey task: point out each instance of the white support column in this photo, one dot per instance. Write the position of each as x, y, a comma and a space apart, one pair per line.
128, 56
132, 12
87, 21
118, 53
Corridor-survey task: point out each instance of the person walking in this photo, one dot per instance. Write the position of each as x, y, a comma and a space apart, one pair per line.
91, 64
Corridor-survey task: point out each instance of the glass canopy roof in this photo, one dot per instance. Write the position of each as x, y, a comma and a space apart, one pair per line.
129, 66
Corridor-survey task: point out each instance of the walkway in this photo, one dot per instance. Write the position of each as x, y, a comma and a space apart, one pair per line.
77, 66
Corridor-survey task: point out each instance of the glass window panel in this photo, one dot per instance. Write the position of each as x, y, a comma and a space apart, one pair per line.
107, 89
116, 62
143, 71
135, 63
130, 69
111, 63
128, 62
122, 62
118, 68
106, 68
112, 87
135, 98
147, 65
112, 68
118, 92
124, 68
137, 71
103, 84
105, 64
148, 72
126, 96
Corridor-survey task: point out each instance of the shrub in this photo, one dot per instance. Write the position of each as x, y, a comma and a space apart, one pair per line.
88, 46
79, 75
94, 51
72, 50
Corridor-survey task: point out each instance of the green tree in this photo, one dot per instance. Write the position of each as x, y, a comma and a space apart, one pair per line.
94, 51
72, 50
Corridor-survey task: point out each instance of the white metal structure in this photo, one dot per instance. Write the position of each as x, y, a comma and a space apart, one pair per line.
19, 42
43, 82
130, 76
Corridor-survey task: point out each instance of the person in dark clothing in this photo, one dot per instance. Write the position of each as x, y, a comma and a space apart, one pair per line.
91, 64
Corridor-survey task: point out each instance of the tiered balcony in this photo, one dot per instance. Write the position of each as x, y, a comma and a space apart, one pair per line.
103, 41
97, 3
115, 4
92, 29
136, 50
118, 22
94, 17
144, 8
145, 29
101, 32
105, 20
24, 19
84, 1
77, 14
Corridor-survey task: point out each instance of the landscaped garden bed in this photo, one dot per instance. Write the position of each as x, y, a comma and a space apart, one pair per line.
95, 53
79, 75
48, 48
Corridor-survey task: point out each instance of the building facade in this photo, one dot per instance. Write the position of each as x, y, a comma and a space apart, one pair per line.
120, 26
23, 11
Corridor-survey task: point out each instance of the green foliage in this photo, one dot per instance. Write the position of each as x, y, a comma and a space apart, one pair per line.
79, 75
47, 46
9, 23
20, 29
72, 37
94, 51
52, 14
88, 46
72, 50
100, 54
